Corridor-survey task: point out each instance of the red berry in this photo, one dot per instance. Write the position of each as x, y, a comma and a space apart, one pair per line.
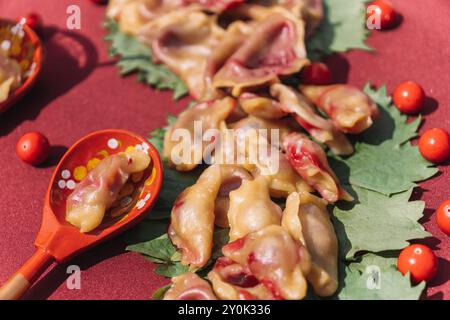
420, 261
443, 217
409, 97
316, 73
388, 16
33, 148
434, 145
32, 20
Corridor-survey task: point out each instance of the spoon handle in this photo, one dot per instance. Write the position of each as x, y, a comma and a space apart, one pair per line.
19, 283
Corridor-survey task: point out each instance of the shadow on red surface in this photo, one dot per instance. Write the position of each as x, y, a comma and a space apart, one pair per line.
68, 59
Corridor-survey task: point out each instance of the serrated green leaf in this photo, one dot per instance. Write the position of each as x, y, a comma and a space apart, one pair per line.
376, 278
160, 292
136, 57
388, 168
343, 28
375, 223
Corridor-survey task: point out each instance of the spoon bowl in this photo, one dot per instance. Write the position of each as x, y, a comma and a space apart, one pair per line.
57, 240
27, 49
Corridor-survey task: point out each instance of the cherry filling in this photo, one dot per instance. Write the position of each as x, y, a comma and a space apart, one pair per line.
298, 155
242, 279
235, 245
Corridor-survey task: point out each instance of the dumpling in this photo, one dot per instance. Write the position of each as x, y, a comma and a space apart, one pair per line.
189, 286
350, 109
133, 15
274, 48
232, 281
310, 161
311, 11
275, 259
321, 129
195, 121
260, 106
192, 218
283, 179
232, 177
183, 40
96, 193
10, 76
251, 208
234, 36
286, 180
252, 122
307, 220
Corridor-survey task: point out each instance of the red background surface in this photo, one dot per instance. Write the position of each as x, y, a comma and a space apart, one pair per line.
80, 91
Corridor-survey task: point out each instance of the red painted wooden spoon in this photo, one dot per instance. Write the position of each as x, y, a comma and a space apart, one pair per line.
59, 241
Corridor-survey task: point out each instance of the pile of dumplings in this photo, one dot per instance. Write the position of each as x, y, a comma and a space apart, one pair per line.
234, 56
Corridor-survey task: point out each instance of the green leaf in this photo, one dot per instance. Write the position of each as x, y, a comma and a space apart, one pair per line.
171, 270
375, 223
388, 168
343, 28
385, 161
135, 57
376, 278
160, 249
157, 135
160, 292
157, 139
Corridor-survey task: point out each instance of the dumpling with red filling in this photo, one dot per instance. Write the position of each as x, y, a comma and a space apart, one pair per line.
275, 259
96, 193
189, 286
232, 281
274, 48
307, 220
192, 218
10, 76
184, 40
251, 208
310, 161
350, 109
184, 142
319, 128
232, 177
